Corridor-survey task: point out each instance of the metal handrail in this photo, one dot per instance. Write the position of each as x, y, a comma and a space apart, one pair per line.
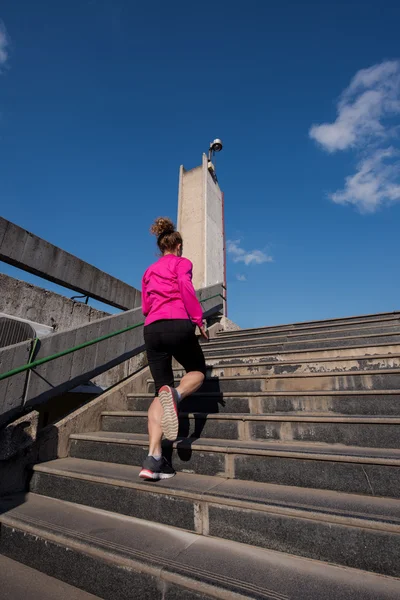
46, 359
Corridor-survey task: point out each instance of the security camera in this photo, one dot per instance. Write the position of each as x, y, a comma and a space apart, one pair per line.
216, 146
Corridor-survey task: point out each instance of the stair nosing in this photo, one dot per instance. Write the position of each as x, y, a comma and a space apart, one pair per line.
163, 567
279, 393
290, 333
255, 376
284, 363
375, 317
252, 449
299, 351
302, 511
359, 419
210, 347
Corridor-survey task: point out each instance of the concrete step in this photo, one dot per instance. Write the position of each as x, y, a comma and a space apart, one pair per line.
303, 356
370, 471
276, 366
343, 403
213, 349
120, 556
325, 323
19, 582
312, 329
210, 403
346, 529
341, 332
367, 432
355, 380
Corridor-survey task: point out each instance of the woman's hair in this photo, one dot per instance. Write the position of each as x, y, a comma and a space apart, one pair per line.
167, 237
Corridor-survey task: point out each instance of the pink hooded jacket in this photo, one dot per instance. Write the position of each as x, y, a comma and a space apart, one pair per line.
168, 292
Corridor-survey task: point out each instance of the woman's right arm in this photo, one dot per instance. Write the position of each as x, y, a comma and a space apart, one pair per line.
188, 294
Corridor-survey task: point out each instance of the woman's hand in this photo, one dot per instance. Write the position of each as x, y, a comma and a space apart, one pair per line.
204, 333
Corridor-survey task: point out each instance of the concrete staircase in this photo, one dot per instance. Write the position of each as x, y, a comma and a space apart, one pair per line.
288, 482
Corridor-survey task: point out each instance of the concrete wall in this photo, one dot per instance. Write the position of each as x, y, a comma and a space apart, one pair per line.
228, 325
214, 246
23, 442
25, 250
191, 221
54, 378
26, 301
200, 221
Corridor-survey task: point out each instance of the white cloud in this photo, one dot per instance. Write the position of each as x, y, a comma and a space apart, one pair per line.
367, 118
375, 182
372, 96
241, 277
3, 44
238, 254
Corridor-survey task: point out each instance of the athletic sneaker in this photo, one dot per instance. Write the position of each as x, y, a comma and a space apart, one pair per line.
156, 469
168, 397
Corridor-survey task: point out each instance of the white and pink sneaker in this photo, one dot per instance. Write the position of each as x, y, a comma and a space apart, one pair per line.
168, 397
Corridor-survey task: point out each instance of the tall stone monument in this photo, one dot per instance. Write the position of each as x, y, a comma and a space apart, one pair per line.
201, 222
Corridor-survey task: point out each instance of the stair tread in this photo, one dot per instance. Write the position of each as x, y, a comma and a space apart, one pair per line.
280, 393
19, 582
255, 376
299, 333
283, 363
357, 319
295, 329
263, 349
290, 340
303, 450
309, 418
360, 347
264, 496
170, 553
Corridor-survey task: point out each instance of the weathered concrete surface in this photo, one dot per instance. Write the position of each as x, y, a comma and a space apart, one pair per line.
88, 417
213, 330
16, 436
214, 243
65, 373
211, 300
26, 251
12, 390
41, 445
221, 324
17, 579
27, 301
120, 372
228, 325
191, 220
200, 221
54, 378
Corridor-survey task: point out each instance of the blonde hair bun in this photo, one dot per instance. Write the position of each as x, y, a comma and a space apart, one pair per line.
162, 226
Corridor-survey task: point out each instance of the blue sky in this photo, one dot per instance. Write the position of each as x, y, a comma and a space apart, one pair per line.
102, 100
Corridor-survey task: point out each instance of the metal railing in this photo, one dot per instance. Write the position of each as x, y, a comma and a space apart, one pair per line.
31, 364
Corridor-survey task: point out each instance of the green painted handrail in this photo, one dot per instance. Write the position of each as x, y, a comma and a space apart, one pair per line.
46, 359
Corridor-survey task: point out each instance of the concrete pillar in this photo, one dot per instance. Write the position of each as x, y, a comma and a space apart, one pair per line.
201, 223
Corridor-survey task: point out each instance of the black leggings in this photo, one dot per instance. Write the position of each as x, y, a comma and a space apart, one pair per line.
168, 339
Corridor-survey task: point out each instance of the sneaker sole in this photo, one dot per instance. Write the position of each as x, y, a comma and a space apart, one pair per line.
149, 475
169, 421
